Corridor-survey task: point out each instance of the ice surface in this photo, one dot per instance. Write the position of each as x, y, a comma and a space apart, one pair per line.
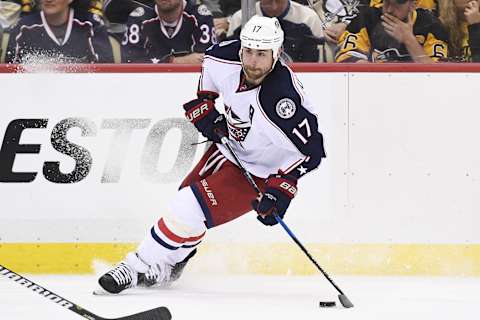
197, 296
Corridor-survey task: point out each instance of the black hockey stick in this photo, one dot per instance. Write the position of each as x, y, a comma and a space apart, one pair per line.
342, 297
160, 313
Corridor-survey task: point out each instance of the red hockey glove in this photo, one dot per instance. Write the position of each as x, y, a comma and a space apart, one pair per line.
280, 190
202, 113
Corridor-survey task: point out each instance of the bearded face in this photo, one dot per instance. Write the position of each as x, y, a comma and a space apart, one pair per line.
256, 64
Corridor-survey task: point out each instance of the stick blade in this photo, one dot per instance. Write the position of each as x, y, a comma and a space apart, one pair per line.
160, 313
346, 303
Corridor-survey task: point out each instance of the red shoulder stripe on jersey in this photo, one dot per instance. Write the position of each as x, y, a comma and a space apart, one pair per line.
294, 165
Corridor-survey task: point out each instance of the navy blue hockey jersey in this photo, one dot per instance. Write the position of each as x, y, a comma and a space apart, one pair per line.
149, 39
32, 40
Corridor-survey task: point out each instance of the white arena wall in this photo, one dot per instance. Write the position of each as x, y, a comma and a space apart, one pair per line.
91, 157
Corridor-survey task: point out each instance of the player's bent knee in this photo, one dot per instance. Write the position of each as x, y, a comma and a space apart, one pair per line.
185, 215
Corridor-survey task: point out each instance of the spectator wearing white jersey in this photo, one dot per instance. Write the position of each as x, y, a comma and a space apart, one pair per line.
222, 11
302, 27
335, 16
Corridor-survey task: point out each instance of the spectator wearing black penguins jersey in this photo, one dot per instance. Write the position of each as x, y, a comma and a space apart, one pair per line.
396, 32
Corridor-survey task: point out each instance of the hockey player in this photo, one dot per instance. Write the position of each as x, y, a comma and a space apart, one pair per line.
171, 31
58, 34
395, 32
271, 125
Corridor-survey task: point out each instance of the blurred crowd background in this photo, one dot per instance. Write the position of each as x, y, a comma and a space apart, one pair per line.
179, 31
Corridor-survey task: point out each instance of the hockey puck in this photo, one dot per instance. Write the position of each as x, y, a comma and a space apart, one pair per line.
327, 304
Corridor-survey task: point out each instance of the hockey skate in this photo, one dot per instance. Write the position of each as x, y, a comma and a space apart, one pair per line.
128, 274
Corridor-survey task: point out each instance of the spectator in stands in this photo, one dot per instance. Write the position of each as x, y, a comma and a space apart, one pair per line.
431, 5
26, 6
222, 10
335, 16
9, 13
462, 20
58, 34
394, 33
172, 31
93, 7
343, 16
301, 25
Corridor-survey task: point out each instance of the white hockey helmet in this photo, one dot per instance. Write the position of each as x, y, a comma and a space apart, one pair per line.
262, 33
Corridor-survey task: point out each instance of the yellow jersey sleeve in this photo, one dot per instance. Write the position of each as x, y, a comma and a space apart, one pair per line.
437, 49
353, 46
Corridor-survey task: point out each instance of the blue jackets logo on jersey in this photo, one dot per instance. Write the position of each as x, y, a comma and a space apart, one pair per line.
138, 12
286, 108
237, 128
203, 10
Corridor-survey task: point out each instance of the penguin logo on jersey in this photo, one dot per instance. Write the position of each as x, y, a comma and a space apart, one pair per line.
390, 54
286, 108
237, 128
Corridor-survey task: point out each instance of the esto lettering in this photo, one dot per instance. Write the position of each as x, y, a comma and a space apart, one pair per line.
115, 152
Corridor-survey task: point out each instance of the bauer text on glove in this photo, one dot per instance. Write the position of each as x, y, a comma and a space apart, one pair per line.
205, 117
